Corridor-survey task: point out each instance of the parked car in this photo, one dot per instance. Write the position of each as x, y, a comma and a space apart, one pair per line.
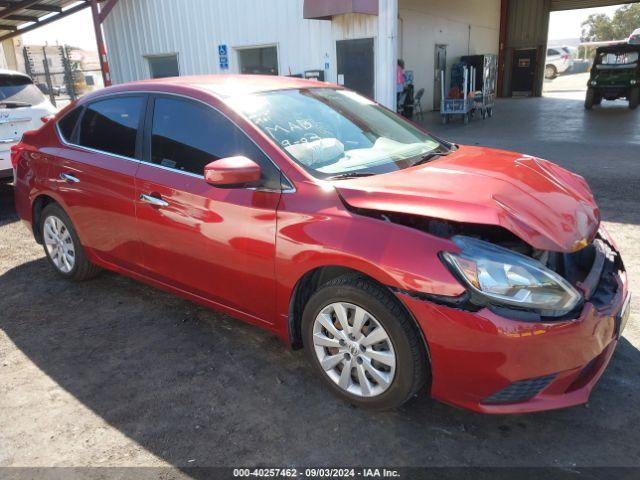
22, 107
615, 74
397, 260
634, 38
558, 61
60, 90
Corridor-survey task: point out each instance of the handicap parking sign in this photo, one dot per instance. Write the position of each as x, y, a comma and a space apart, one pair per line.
223, 57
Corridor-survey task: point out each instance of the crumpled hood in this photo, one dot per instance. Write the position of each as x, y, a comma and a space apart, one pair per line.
545, 205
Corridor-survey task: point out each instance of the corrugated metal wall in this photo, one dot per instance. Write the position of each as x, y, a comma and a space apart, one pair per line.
528, 23
527, 27
575, 4
193, 29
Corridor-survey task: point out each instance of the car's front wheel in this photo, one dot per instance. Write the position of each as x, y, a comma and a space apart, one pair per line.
363, 343
62, 245
590, 99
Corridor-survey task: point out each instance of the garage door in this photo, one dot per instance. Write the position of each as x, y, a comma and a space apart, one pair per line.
575, 4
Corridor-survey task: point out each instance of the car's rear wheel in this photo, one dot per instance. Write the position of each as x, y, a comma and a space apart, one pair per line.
363, 343
634, 98
62, 245
550, 72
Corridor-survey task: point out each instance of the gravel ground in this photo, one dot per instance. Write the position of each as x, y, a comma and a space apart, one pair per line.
114, 373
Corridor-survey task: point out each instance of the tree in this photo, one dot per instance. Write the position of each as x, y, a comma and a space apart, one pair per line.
599, 27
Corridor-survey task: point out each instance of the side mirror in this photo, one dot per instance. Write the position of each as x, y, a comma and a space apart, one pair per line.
232, 172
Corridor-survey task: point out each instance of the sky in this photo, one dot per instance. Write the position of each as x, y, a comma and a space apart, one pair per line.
568, 23
77, 29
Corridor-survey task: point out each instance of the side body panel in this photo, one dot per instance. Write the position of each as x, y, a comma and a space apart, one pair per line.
101, 204
315, 230
216, 243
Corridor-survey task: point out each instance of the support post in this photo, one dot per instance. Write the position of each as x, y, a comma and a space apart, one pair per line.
504, 22
387, 53
102, 51
47, 76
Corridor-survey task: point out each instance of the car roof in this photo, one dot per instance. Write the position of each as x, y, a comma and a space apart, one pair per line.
231, 85
619, 47
15, 73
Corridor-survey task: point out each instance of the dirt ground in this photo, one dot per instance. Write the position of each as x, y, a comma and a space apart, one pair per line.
114, 373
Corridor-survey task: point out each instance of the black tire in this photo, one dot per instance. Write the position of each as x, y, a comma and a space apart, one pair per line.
597, 99
550, 72
412, 364
82, 269
634, 98
589, 99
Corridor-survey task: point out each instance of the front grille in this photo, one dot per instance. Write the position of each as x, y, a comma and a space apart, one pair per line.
520, 391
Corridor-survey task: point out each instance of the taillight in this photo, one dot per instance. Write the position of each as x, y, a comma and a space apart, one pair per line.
16, 151
565, 57
46, 118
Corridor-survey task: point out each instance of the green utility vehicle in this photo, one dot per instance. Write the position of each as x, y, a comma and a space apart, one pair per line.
615, 74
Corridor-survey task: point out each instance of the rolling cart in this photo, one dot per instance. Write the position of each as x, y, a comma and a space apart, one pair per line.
459, 106
484, 103
486, 67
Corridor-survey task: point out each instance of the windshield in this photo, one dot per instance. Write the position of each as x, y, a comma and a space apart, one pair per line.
336, 132
19, 89
619, 59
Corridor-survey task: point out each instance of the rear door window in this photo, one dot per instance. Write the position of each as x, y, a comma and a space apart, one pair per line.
112, 125
18, 91
186, 136
68, 124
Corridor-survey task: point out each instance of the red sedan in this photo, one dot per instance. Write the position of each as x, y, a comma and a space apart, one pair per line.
399, 261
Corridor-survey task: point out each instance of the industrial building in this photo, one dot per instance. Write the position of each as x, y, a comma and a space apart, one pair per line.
352, 42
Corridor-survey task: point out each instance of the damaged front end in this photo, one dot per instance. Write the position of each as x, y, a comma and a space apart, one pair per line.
505, 274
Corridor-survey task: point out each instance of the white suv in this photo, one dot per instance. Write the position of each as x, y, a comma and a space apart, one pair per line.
23, 107
558, 61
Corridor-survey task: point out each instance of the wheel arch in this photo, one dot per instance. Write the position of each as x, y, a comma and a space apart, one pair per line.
38, 205
313, 279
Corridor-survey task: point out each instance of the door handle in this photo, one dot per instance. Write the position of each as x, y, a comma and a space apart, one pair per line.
155, 201
69, 178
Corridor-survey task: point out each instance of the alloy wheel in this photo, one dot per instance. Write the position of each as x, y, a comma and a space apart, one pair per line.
59, 244
354, 349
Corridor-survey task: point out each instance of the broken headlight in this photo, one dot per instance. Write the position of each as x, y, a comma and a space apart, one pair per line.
502, 277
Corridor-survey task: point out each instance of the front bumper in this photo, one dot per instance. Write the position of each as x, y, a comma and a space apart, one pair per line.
475, 356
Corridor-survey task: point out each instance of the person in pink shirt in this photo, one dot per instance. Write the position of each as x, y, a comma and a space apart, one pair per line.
400, 80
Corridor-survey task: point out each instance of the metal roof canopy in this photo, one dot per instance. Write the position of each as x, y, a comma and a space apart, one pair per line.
18, 17
557, 5
15, 14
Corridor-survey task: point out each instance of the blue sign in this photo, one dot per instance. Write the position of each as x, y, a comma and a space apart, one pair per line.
223, 57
